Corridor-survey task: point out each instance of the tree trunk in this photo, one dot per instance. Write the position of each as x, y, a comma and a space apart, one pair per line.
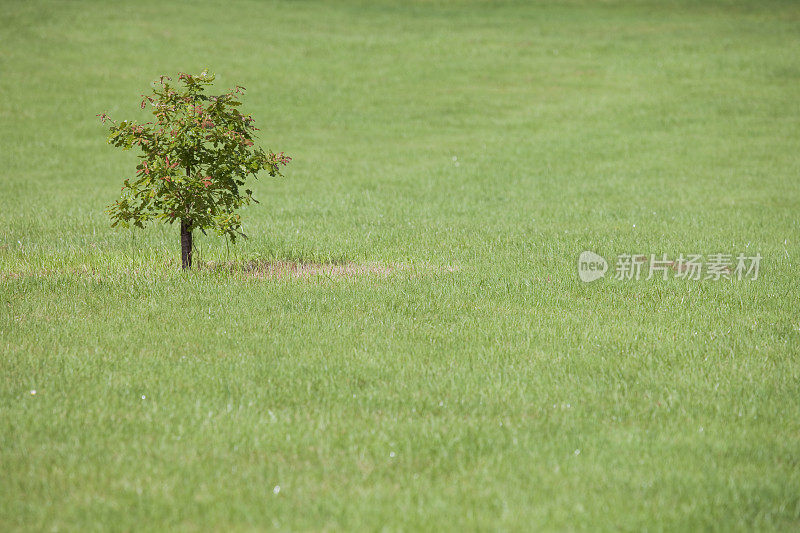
186, 243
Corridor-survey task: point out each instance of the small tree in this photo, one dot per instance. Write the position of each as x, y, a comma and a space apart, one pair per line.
196, 157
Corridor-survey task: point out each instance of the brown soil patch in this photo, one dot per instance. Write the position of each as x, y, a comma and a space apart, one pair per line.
261, 269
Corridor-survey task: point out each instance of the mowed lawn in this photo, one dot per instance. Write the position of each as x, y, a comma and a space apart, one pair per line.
469, 151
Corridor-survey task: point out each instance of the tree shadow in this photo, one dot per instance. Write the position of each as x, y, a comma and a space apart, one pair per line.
265, 268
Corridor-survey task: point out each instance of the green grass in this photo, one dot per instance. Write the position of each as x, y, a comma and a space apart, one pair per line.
504, 394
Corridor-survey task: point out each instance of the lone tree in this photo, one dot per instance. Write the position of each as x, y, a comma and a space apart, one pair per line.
196, 157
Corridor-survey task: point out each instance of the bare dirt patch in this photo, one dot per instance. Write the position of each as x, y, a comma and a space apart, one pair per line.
254, 269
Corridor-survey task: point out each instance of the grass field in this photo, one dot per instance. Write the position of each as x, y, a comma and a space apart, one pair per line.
468, 151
